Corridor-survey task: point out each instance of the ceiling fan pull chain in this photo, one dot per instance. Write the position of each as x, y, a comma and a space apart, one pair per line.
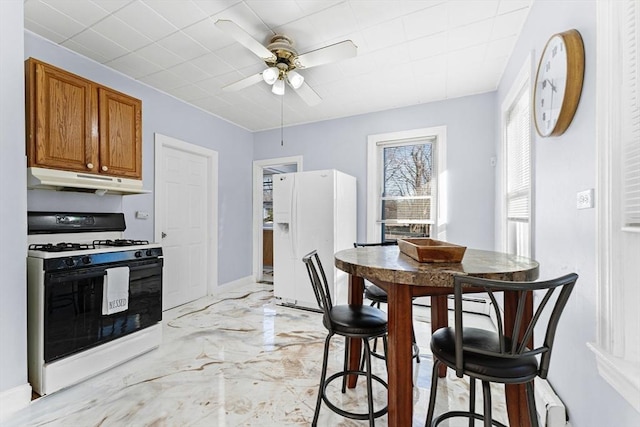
282, 121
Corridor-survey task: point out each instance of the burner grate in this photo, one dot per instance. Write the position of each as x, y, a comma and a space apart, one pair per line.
120, 242
61, 247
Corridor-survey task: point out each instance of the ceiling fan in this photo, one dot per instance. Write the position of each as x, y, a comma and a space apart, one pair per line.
282, 61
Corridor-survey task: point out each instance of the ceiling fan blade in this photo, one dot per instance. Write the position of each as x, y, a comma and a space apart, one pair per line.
245, 39
241, 84
327, 54
308, 95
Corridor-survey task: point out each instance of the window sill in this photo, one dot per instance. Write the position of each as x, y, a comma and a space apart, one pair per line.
622, 375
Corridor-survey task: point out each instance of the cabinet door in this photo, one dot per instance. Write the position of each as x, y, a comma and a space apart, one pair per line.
61, 113
120, 130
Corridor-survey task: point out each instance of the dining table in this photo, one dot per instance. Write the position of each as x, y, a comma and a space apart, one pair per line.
404, 278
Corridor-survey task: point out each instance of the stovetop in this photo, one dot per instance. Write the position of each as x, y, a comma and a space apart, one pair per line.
96, 244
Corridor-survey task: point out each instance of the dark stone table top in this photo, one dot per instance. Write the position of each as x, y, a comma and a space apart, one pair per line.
387, 264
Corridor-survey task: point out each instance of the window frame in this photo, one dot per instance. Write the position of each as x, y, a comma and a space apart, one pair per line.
437, 136
522, 82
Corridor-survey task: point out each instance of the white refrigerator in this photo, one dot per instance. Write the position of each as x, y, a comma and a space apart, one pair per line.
311, 210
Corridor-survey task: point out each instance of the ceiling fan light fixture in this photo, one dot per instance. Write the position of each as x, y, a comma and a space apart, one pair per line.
295, 79
270, 75
278, 87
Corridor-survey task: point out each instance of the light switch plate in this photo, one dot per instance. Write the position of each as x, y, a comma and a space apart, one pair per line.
142, 215
584, 199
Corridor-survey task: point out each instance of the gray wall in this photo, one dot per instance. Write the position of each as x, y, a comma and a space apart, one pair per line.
565, 237
342, 144
164, 114
13, 201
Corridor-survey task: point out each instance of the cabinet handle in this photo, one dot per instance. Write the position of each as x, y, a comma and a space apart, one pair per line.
89, 165
104, 168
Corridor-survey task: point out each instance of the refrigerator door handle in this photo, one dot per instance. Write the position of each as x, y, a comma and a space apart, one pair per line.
294, 220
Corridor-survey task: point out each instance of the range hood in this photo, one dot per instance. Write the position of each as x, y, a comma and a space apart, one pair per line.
52, 179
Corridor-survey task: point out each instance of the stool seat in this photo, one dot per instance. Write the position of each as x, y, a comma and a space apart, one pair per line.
357, 320
375, 294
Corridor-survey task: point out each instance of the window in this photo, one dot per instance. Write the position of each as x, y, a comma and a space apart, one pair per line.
617, 346
403, 171
517, 191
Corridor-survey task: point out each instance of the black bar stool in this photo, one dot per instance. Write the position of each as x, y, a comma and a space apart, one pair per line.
351, 322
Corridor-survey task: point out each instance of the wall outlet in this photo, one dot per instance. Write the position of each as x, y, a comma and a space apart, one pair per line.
142, 215
584, 199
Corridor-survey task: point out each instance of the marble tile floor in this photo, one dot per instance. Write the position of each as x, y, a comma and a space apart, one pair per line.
236, 359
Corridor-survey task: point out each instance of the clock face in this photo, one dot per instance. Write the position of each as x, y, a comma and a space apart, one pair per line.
551, 83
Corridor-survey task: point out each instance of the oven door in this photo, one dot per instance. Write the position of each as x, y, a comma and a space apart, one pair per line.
73, 319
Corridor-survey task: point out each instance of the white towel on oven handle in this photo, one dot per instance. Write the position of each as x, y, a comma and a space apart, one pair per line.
115, 290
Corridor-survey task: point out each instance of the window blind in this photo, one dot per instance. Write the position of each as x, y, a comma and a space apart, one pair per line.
631, 119
518, 125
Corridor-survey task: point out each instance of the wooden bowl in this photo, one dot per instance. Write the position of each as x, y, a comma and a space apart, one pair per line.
431, 250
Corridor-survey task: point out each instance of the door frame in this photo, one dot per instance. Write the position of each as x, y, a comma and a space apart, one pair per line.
258, 168
162, 141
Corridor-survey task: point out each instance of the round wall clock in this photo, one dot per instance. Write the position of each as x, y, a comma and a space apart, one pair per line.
558, 83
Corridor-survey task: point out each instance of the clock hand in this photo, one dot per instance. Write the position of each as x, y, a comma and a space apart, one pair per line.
553, 88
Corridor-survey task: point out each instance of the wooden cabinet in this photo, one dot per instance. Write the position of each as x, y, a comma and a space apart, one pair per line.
267, 247
78, 125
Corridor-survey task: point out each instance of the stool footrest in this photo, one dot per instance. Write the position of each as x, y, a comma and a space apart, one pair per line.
347, 414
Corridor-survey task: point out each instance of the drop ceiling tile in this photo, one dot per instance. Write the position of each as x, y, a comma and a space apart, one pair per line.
188, 92
412, 6
206, 33
387, 34
82, 11
246, 19
93, 40
109, 5
51, 19
159, 55
507, 6
182, 45
464, 13
146, 20
426, 22
335, 21
433, 66
212, 7
89, 52
276, 12
211, 103
392, 56
133, 65
164, 80
466, 58
371, 13
190, 72
470, 35
212, 64
313, 6
509, 24
180, 13
428, 46
117, 31
43, 31
237, 56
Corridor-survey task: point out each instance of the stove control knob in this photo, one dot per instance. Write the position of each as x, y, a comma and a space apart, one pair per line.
149, 253
138, 254
86, 260
69, 262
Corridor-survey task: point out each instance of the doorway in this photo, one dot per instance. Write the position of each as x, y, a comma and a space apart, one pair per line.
263, 171
186, 219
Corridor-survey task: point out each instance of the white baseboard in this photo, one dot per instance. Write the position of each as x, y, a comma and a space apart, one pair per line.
14, 399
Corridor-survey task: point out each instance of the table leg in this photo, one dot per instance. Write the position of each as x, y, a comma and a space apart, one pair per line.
356, 289
399, 357
516, 397
439, 319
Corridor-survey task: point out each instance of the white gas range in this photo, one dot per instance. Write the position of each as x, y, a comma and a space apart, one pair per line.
94, 298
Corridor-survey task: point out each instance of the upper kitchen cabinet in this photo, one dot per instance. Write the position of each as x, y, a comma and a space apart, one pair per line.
77, 125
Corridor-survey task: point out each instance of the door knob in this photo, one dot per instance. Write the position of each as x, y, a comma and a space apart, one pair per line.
89, 165
104, 168
163, 234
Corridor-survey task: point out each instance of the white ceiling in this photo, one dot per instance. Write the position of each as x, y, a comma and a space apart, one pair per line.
409, 51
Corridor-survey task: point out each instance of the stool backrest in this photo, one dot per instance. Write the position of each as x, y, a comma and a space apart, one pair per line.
514, 344
385, 243
318, 280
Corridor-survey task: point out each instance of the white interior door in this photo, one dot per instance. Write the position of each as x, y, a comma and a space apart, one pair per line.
185, 219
